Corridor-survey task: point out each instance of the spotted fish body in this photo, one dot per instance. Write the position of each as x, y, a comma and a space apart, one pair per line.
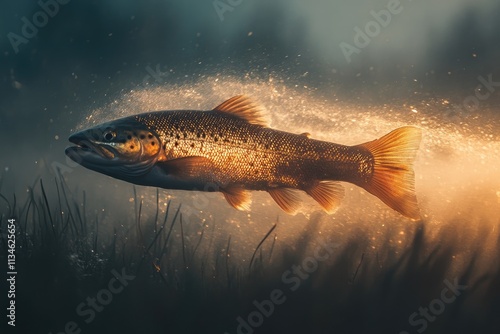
257, 157
230, 149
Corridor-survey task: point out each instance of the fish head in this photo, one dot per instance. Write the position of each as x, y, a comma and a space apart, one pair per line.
122, 148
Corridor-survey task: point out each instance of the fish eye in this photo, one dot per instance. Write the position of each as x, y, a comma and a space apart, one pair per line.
109, 135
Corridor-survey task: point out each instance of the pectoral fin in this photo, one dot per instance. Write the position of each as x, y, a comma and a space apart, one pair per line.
328, 194
287, 199
238, 198
187, 167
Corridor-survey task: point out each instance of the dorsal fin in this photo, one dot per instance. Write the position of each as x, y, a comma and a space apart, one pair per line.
243, 107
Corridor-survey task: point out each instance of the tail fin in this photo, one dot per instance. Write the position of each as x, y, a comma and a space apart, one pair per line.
393, 179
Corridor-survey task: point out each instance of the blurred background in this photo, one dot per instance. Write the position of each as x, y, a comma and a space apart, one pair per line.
91, 51
345, 71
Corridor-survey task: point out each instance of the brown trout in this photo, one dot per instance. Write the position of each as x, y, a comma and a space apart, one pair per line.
231, 149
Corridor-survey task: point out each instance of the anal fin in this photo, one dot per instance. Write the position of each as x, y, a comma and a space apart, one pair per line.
328, 194
238, 198
287, 199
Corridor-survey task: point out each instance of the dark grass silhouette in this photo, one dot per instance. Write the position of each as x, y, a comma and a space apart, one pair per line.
193, 285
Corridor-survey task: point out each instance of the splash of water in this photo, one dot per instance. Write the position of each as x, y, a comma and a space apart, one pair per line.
457, 167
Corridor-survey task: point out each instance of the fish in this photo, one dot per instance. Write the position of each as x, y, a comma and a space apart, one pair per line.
232, 150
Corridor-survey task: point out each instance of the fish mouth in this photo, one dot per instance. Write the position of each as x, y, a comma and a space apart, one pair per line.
94, 149
87, 151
